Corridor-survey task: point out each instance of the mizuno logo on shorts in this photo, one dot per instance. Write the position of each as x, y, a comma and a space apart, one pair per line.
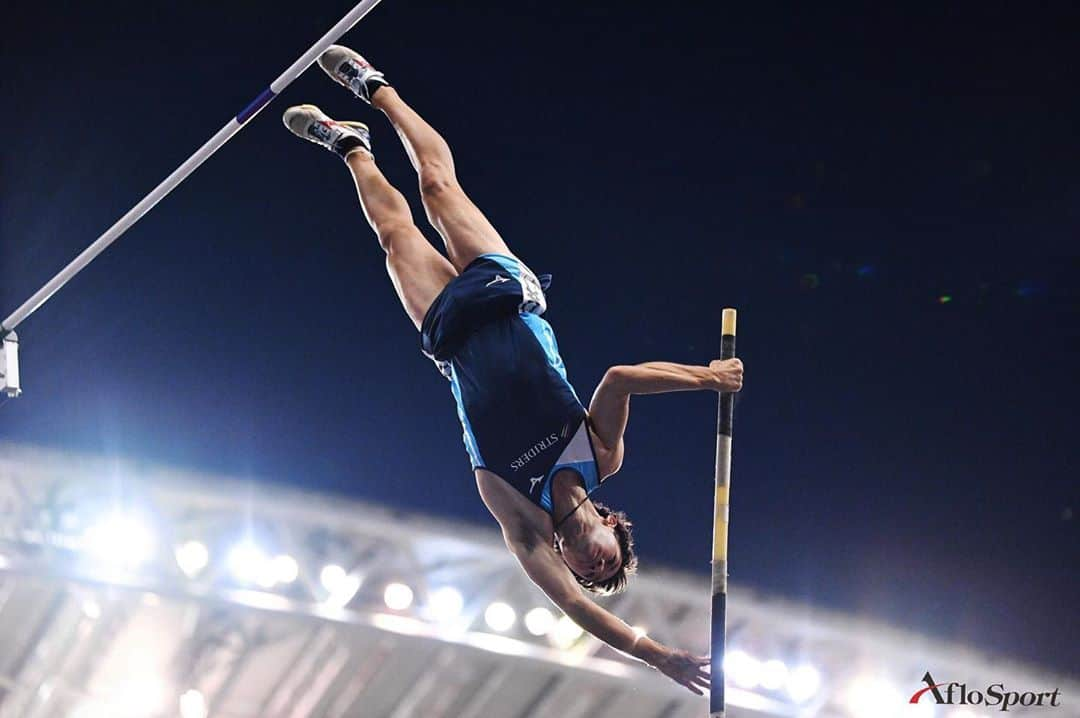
499, 279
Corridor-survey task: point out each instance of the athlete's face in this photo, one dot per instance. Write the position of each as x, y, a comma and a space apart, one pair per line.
596, 555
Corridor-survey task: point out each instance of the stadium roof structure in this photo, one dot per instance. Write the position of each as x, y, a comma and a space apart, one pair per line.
131, 590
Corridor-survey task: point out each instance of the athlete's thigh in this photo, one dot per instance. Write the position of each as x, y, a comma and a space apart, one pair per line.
463, 227
418, 272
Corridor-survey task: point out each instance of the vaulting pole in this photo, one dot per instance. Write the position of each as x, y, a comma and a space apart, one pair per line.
724, 418
178, 175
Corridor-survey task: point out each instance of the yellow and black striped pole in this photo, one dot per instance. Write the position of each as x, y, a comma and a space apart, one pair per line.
724, 419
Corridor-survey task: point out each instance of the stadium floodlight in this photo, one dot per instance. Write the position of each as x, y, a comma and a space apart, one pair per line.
539, 621
331, 577
248, 563
192, 557
774, 674
193, 704
743, 669
873, 697
91, 609
139, 695
500, 616
803, 683
286, 569
566, 632
397, 596
340, 586
445, 603
120, 539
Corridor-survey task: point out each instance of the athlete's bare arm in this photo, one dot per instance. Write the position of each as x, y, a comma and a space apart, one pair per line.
610, 406
548, 571
527, 531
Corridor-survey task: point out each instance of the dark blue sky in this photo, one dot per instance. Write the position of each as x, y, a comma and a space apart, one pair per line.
834, 174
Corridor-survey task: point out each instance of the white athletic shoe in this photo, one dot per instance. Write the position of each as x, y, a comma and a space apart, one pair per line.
348, 68
341, 138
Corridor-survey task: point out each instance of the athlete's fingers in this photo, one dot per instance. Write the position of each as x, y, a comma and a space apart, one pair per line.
702, 660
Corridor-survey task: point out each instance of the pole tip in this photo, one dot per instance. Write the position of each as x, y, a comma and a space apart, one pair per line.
728, 322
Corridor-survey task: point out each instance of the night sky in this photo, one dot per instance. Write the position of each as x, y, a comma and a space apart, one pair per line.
890, 196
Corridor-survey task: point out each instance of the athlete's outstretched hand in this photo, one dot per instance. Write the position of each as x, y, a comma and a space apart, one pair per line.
684, 668
728, 374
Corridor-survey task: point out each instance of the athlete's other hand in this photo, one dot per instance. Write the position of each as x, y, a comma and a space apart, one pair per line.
727, 373
684, 668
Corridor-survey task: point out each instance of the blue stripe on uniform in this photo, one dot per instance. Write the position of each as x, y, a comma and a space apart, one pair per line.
545, 335
585, 469
511, 265
470, 439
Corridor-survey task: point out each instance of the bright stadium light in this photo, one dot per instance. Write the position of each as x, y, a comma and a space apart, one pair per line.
247, 562
286, 569
539, 621
445, 603
743, 669
566, 632
91, 609
397, 596
803, 683
340, 586
873, 697
193, 704
120, 539
500, 616
331, 577
138, 696
774, 674
192, 557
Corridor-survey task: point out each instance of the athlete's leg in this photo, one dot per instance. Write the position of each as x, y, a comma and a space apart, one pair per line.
465, 230
417, 270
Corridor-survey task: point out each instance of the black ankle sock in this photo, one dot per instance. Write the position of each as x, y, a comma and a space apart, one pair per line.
347, 144
373, 84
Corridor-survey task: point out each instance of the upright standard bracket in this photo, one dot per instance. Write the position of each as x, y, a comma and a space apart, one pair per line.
9, 366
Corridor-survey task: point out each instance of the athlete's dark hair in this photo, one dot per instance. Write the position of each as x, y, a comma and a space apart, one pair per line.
624, 535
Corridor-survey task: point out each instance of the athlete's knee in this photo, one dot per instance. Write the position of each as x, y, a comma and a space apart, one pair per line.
436, 178
393, 231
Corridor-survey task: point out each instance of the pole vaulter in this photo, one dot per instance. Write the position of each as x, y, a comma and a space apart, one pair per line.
537, 453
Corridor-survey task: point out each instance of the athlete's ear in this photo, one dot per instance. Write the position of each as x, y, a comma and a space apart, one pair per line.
610, 520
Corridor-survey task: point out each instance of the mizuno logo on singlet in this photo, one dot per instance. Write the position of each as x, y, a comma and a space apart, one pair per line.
499, 279
535, 480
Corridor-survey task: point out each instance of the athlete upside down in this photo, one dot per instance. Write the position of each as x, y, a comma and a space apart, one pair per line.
537, 453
